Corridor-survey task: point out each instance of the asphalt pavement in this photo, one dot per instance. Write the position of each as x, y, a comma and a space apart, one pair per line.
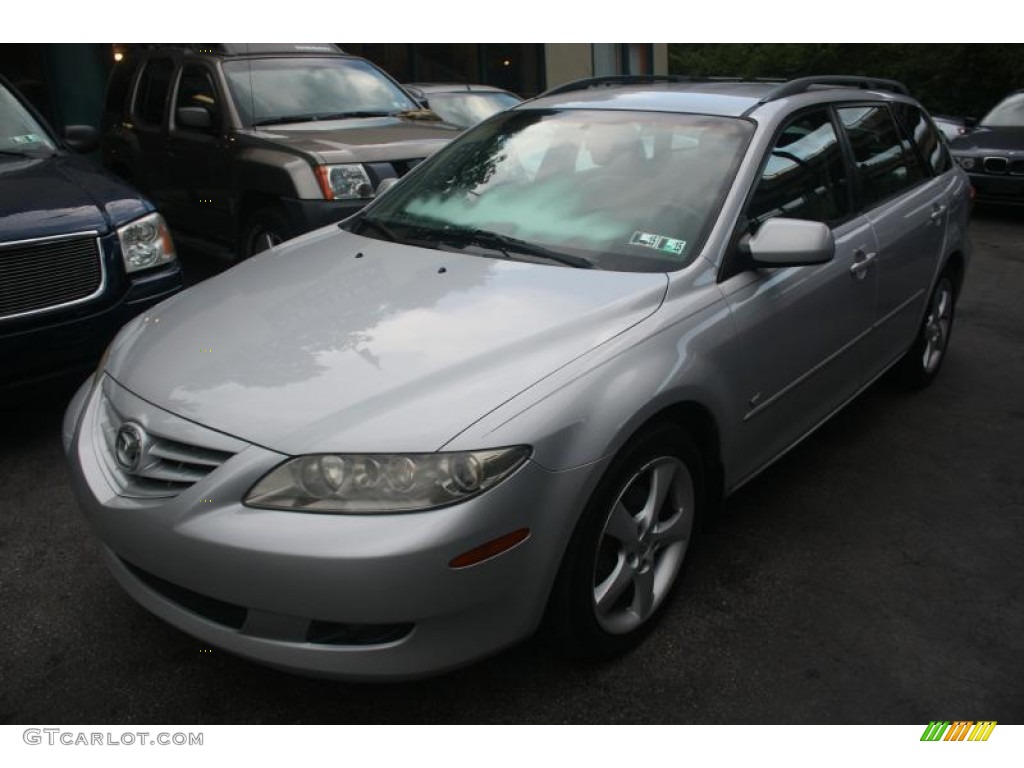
873, 575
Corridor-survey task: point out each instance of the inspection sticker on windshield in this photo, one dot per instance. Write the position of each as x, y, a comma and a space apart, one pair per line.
658, 242
26, 138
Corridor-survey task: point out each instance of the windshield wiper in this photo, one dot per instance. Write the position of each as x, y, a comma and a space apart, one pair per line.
419, 114
14, 153
508, 245
354, 113
364, 222
311, 117
285, 119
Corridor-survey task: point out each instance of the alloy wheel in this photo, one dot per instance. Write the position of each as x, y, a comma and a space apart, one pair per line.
936, 326
642, 544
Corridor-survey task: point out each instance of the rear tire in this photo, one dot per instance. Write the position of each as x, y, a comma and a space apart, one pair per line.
922, 362
629, 548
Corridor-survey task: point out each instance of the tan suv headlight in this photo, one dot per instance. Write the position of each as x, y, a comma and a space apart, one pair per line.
344, 182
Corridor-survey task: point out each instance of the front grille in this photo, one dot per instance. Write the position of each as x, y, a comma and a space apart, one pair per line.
168, 467
996, 164
1017, 167
46, 274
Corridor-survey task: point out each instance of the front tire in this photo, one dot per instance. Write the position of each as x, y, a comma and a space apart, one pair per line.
922, 362
629, 548
264, 229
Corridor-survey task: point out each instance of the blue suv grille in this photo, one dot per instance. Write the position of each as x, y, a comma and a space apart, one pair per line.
38, 275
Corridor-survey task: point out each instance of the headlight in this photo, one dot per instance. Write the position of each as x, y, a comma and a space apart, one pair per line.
146, 243
964, 162
344, 182
369, 483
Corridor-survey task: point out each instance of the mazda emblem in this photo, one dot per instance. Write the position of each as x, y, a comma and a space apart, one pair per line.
128, 447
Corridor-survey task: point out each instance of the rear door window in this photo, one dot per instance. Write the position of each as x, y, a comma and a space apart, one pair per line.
886, 161
151, 95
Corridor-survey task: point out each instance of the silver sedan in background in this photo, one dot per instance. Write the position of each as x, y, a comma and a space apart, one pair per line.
510, 391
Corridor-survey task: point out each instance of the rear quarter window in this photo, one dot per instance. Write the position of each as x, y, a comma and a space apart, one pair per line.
920, 128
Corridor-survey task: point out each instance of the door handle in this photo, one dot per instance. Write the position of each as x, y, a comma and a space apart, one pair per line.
862, 262
936, 214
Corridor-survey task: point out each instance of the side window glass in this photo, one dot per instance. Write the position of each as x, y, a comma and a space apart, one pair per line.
196, 89
917, 124
885, 160
151, 97
805, 177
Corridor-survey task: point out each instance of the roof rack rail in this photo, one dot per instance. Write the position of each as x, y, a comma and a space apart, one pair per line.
242, 49
804, 84
596, 82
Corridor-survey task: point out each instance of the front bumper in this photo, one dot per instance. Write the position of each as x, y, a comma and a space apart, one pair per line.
990, 188
307, 215
265, 584
71, 341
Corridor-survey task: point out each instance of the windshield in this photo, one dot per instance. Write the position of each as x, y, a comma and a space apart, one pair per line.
627, 191
283, 90
1009, 113
468, 108
20, 133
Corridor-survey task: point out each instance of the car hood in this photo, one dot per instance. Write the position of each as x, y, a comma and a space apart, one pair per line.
40, 197
364, 140
980, 139
313, 347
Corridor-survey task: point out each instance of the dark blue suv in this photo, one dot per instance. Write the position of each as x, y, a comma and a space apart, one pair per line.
81, 252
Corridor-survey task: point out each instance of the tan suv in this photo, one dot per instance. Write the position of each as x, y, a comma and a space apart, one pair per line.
243, 146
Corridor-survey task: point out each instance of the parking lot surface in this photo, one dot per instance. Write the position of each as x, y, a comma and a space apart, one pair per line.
873, 575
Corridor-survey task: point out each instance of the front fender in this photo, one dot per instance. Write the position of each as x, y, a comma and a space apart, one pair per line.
587, 411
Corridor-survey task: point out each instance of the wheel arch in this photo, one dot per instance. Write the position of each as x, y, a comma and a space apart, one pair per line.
956, 262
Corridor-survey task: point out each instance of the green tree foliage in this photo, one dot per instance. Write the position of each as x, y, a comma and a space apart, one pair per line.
948, 78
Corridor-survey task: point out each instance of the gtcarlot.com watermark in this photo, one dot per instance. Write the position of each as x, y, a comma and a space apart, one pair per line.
58, 736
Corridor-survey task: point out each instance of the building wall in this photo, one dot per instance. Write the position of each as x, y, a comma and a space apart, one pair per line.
572, 61
567, 61
661, 58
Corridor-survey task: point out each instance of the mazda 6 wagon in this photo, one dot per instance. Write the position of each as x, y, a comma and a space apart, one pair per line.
508, 393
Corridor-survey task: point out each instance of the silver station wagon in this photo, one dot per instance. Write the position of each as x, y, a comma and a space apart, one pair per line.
509, 392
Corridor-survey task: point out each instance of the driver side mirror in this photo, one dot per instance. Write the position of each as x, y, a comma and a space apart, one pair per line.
194, 117
791, 242
81, 138
385, 185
